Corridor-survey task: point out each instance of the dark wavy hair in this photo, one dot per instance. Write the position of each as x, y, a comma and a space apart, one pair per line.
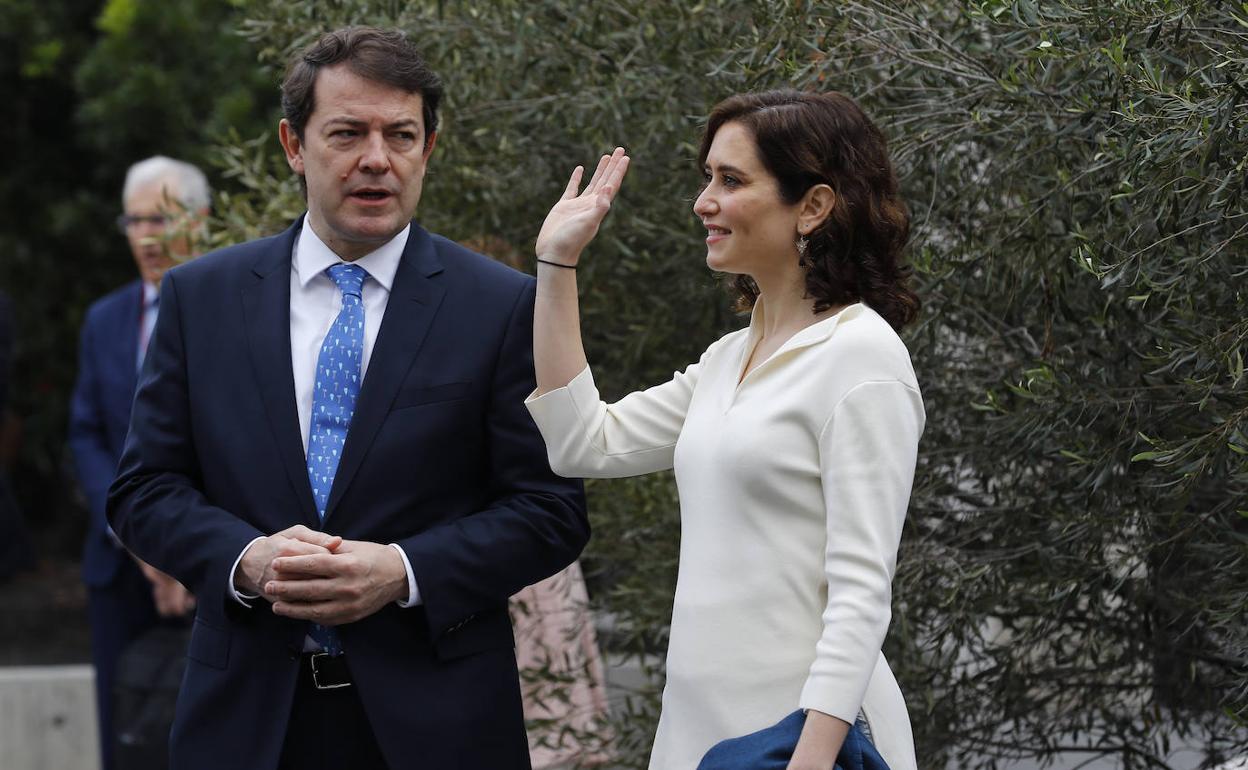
805, 139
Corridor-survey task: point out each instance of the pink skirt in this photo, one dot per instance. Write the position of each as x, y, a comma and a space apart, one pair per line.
561, 672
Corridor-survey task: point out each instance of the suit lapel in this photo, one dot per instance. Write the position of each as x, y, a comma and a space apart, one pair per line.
414, 300
266, 311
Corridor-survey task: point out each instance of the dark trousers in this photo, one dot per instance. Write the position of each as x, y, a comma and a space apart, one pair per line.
118, 613
329, 730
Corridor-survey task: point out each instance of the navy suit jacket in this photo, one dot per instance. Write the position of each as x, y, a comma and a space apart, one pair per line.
441, 458
99, 413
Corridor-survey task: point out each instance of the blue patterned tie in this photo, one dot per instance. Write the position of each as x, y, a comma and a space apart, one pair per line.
333, 401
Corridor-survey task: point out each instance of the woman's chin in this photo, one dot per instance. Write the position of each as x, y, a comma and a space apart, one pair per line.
717, 262
723, 266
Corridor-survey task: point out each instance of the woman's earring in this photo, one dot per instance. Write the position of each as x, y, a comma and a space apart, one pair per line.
803, 243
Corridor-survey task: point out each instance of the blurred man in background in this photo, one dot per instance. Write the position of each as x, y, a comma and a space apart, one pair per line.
165, 202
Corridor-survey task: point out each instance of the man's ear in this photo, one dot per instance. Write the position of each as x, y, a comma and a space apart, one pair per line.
429, 143
292, 145
815, 207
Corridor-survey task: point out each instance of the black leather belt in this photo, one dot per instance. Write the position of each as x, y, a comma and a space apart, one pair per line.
327, 672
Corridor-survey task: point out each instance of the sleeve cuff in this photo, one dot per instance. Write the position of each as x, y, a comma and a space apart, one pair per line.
413, 593
578, 389
826, 695
235, 594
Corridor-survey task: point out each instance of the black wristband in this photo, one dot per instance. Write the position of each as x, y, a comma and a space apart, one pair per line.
556, 264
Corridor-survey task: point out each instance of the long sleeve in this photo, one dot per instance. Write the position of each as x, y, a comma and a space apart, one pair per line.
156, 504
635, 435
868, 450
94, 462
534, 523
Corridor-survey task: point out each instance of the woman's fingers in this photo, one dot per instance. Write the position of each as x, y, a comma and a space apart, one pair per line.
615, 176
596, 179
574, 182
606, 179
609, 171
620, 170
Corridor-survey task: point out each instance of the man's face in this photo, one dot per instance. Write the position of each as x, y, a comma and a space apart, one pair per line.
363, 155
158, 228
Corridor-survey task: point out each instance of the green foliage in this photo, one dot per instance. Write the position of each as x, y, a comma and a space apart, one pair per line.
1081, 203
42, 59
1073, 576
92, 87
43, 212
1076, 171
117, 17
155, 82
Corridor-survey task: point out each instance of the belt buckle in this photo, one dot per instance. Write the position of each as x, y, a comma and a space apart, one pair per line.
316, 678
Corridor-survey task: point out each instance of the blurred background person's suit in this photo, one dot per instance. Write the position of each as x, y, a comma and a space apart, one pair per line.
164, 201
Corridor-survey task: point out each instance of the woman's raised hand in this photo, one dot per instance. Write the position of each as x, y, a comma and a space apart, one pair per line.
574, 220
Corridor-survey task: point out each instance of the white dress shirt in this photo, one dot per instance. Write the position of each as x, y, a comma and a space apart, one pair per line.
147, 324
147, 318
315, 302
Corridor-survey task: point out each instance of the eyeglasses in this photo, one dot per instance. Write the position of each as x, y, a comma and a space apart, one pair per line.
127, 221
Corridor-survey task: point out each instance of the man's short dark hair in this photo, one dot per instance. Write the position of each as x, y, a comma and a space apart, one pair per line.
383, 56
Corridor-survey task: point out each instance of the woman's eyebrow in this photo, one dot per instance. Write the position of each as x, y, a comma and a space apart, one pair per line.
726, 168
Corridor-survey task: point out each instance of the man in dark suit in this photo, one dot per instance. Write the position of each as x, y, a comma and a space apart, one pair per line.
330, 446
164, 203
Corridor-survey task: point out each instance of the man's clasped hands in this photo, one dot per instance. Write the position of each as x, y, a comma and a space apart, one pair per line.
310, 575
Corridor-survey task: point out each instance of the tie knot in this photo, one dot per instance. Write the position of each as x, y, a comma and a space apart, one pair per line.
350, 278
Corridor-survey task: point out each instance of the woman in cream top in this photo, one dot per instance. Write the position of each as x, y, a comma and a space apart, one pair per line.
793, 441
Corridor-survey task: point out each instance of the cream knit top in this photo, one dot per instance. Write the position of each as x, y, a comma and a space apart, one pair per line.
793, 488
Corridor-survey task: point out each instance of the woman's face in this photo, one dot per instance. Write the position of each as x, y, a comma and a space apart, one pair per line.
749, 227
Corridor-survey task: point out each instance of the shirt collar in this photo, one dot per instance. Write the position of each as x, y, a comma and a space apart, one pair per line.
151, 292
312, 257
816, 332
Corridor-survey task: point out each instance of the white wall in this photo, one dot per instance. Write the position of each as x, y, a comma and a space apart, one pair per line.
47, 718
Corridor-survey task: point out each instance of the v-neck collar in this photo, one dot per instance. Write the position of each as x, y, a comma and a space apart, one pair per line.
805, 337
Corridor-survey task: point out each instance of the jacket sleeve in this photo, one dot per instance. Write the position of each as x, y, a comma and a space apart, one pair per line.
535, 523
94, 463
867, 455
635, 435
156, 505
